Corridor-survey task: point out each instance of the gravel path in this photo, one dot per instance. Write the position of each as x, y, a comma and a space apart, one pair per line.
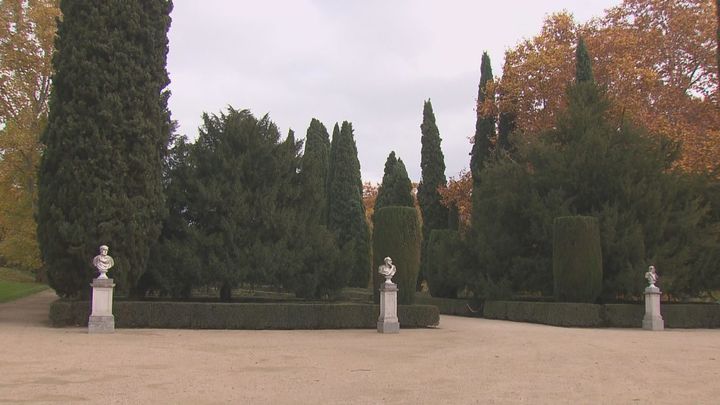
464, 361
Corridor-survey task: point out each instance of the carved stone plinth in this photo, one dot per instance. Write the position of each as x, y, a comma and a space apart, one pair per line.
653, 319
101, 318
388, 320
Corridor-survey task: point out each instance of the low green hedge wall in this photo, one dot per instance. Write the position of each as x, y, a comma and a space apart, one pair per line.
449, 306
608, 315
549, 313
196, 315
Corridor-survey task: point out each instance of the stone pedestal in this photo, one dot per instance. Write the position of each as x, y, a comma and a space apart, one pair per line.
101, 317
388, 320
652, 320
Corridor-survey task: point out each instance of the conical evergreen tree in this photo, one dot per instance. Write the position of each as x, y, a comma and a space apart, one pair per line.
315, 167
583, 64
506, 126
432, 166
484, 126
107, 134
396, 188
346, 213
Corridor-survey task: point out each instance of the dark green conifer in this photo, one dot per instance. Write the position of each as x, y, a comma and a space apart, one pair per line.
432, 166
315, 168
346, 213
583, 64
107, 134
484, 125
396, 188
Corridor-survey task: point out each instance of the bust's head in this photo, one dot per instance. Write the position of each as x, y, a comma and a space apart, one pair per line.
103, 249
651, 269
388, 261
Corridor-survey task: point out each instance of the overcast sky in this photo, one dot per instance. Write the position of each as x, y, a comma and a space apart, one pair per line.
370, 62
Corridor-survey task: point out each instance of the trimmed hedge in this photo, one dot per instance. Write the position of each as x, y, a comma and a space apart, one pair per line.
450, 306
608, 315
397, 233
203, 315
577, 259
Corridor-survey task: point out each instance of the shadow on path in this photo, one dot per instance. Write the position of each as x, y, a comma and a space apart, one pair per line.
28, 311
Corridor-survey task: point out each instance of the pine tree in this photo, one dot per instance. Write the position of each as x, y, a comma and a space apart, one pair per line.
107, 134
315, 168
484, 125
506, 126
346, 213
432, 165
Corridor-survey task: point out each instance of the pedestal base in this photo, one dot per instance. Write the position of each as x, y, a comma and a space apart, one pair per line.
101, 324
101, 317
653, 319
388, 320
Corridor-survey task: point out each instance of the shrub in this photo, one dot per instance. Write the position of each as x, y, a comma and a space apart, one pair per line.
443, 273
577, 259
397, 234
214, 315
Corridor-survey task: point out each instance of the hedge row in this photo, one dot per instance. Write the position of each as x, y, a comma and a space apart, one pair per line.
194, 315
450, 306
608, 315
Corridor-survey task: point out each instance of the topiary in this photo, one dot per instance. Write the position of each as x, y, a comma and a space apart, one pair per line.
577, 259
397, 234
443, 264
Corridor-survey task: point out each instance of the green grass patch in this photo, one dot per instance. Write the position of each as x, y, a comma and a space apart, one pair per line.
16, 284
10, 290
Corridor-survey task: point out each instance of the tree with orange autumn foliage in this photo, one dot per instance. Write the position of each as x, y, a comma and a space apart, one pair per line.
27, 32
657, 59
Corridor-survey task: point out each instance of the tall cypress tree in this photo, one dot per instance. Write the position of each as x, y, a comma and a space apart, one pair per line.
432, 166
396, 188
315, 167
107, 134
484, 125
346, 213
583, 64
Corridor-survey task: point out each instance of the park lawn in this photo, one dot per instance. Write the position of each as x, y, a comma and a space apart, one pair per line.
16, 284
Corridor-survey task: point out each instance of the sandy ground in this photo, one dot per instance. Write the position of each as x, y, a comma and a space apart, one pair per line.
464, 361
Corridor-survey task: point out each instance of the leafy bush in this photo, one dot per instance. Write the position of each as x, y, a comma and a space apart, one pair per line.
397, 235
577, 259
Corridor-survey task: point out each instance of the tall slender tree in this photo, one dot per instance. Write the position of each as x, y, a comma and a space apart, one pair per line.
432, 166
346, 213
315, 168
107, 133
485, 123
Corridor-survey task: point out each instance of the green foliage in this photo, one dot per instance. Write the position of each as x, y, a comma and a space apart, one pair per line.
107, 133
444, 263
577, 259
247, 212
548, 313
485, 124
346, 213
205, 315
315, 165
398, 235
396, 188
432, 165
583, 64
587, 165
